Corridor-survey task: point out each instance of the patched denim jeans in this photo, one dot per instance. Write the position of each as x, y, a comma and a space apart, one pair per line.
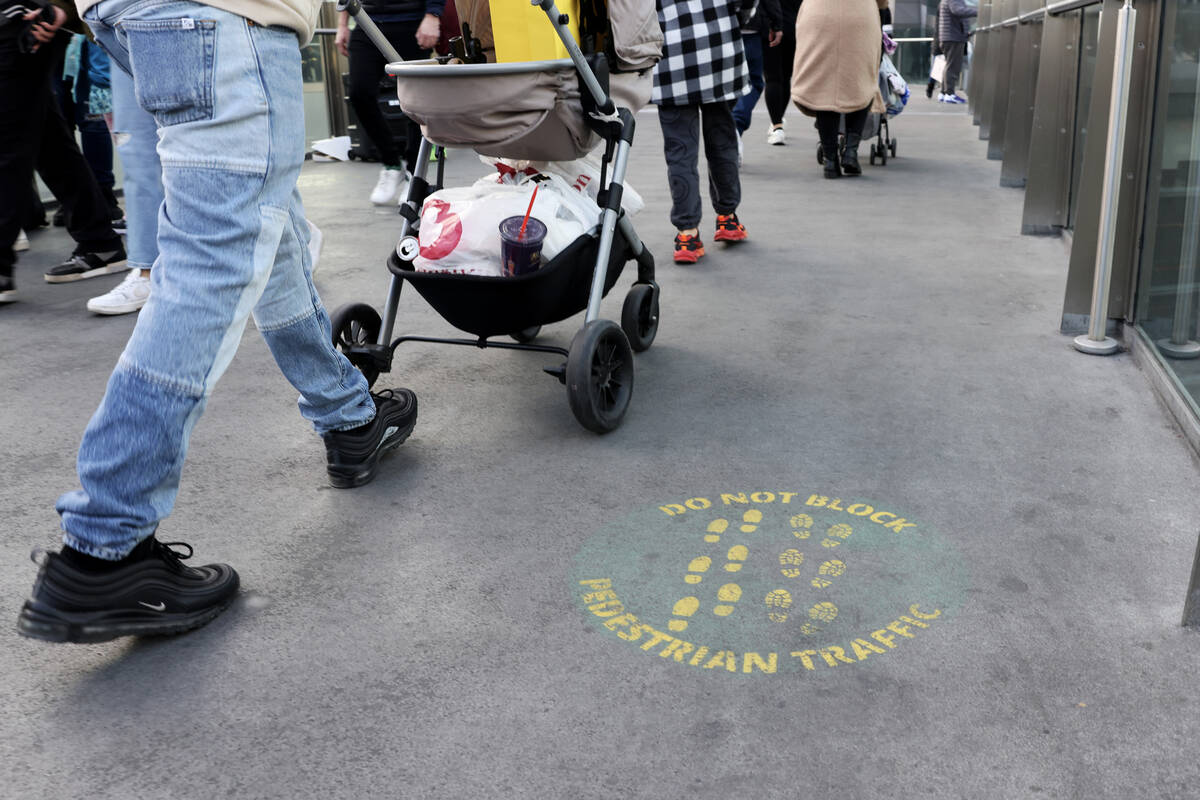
232, 240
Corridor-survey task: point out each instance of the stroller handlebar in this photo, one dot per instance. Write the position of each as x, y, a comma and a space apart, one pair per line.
432, 68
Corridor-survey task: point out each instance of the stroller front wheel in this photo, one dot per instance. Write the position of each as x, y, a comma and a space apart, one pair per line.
600, 376
356, 325
639, 316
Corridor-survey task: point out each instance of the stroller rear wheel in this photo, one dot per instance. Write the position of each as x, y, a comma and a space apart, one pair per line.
600, 376
639, 316
355, 325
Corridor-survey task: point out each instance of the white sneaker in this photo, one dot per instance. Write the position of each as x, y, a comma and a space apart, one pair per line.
776, 136
740, 148
126, 297
388, 186
315, 240
403, 190
942, 97
22, 242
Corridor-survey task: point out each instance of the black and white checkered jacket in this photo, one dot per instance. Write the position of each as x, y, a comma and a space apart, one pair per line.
703, 60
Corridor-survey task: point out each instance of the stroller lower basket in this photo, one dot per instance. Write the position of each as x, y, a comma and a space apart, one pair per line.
489, 306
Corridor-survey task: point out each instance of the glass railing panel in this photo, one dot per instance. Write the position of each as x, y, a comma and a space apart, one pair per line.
1088, 44
1167, 308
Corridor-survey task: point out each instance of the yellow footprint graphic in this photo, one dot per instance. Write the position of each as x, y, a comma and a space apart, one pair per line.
802, 526
751, 519
684, 608
778, 602
749, 524
737, 555
827, 572
728, 594
697, 568
823, 612
789, 561
715, 529
837, 534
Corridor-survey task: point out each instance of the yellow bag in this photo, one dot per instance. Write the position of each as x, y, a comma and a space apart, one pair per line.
523, 32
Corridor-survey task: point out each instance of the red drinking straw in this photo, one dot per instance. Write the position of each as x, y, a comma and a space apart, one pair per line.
528, 211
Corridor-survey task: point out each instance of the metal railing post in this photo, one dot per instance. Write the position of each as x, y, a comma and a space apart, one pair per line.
1096, 341
1191, 604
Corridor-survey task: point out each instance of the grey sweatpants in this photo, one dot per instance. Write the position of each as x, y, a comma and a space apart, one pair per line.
681, 129
955, 52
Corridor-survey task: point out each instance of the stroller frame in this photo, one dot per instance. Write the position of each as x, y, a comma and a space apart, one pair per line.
598, 371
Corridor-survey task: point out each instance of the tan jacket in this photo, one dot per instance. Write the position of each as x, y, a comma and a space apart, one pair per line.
299, 15
838, 50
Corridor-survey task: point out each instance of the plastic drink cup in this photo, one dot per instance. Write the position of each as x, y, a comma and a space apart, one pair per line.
520, 255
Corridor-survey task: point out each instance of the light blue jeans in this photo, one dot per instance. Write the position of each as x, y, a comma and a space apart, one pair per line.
232, 240
136, 136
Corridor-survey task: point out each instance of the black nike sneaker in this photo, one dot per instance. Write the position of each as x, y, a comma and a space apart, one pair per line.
84, 264
354, 454
77, 598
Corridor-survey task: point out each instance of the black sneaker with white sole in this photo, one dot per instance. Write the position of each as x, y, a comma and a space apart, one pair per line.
353, 455
87, 265
8, 289
77, 598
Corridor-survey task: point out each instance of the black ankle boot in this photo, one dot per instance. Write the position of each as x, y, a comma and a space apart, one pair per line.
850, 164
832, 162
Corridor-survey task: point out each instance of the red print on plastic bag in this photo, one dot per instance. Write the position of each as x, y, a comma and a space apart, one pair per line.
448, 235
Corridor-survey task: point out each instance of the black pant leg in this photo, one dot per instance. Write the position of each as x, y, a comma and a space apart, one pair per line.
405, 42
681, 146
63, 169
829, 124
366, 70
720, 150
21, 108
777, 73
856, 121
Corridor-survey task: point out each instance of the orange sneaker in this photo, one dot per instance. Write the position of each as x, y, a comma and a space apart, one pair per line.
688, 248
729, 229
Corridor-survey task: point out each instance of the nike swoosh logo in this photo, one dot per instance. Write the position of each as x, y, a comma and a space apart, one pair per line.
153, 606
391, 429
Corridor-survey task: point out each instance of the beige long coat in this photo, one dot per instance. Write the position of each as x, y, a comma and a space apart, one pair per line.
838, 49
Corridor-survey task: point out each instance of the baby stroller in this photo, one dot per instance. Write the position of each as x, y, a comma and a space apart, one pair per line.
895, 95
555, 110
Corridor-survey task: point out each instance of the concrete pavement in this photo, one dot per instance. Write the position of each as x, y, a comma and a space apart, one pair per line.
959, 548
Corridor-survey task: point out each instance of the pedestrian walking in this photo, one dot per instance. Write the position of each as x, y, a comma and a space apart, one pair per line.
777, 74
226, 93
839, 45
764, 31
414, 28
694, 102
954, 28
34, 135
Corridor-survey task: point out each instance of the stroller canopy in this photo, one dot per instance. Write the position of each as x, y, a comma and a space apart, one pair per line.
531, 110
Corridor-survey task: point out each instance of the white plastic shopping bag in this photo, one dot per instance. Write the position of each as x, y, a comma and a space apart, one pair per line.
938, 72
460, 227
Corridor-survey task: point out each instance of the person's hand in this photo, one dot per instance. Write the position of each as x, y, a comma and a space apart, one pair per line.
43, 31
429, 32
775, 38
342, 40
